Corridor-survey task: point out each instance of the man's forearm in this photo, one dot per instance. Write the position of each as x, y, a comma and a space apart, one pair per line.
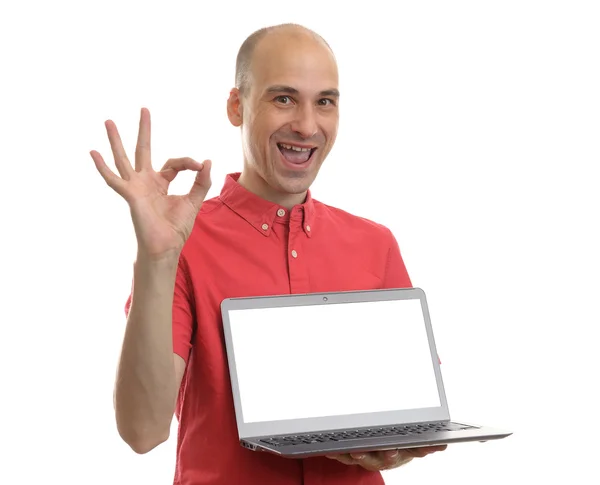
145, 388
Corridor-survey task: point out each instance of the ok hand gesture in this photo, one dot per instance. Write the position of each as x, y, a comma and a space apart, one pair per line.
162, 222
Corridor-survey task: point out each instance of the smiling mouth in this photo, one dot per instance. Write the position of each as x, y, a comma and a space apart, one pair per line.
294, 154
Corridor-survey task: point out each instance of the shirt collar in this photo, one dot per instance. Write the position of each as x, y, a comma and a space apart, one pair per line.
261, 213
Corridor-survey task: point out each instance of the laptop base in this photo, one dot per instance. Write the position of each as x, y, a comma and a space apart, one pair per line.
452, 432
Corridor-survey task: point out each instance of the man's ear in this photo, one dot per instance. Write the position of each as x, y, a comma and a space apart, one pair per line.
234, 107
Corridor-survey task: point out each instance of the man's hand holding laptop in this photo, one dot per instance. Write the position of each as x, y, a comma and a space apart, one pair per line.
385, 460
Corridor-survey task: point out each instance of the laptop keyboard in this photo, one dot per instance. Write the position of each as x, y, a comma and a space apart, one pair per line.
414, 429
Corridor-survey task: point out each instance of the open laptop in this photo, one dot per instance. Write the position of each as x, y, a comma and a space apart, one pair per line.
328, 373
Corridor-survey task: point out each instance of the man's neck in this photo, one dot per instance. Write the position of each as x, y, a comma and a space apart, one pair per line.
255, 184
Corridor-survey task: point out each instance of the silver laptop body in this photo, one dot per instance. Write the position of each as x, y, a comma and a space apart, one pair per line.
327, 373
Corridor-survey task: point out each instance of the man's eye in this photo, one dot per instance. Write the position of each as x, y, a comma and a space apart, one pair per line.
283, 99
326, 102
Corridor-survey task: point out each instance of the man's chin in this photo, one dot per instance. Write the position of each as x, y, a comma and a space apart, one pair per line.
295, 183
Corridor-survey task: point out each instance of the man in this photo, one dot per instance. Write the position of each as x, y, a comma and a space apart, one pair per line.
263, 235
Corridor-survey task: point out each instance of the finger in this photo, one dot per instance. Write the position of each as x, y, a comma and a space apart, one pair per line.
426, 450
344, 458
370, 461
176, 165
108, 175
395, 458
390, 456
201, 185
433, 449
122, 163
142, 149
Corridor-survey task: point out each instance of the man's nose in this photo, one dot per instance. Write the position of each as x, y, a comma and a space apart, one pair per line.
305, 122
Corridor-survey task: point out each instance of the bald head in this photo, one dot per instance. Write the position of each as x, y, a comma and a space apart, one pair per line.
268, 38
286, 94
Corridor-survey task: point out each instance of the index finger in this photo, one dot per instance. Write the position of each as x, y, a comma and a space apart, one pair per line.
142, 149
116, 145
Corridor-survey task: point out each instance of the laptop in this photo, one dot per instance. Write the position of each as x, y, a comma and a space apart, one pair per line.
344, 372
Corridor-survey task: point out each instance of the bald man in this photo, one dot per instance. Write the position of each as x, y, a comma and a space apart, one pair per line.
263, 235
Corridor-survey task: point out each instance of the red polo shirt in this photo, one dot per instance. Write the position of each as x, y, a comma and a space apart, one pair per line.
242, 245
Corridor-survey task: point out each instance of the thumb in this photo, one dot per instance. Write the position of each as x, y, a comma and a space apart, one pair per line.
201, 185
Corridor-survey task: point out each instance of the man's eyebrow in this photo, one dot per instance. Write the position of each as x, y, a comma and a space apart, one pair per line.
330, 92
290, 90
281, 89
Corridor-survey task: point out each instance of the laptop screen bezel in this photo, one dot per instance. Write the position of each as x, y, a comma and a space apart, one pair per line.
330, 423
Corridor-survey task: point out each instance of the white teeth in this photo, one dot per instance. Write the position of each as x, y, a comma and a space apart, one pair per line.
298, 149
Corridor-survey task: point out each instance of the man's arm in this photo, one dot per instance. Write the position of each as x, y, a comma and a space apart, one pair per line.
396, 275
149, 373
149, 376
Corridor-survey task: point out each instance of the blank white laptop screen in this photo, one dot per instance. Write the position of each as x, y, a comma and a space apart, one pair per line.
330, 360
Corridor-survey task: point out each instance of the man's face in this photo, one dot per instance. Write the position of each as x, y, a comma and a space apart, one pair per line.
290, 114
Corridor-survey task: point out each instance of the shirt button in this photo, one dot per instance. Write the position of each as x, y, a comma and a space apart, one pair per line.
265, 227
281, 213
308, 228
294, 253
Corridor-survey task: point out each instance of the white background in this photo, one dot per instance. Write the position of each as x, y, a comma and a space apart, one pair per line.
470, 128
315, 361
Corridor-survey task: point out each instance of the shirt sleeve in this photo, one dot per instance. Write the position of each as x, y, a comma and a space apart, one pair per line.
396, 275
183, 313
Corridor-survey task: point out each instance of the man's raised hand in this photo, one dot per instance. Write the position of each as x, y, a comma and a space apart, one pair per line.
162, 222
